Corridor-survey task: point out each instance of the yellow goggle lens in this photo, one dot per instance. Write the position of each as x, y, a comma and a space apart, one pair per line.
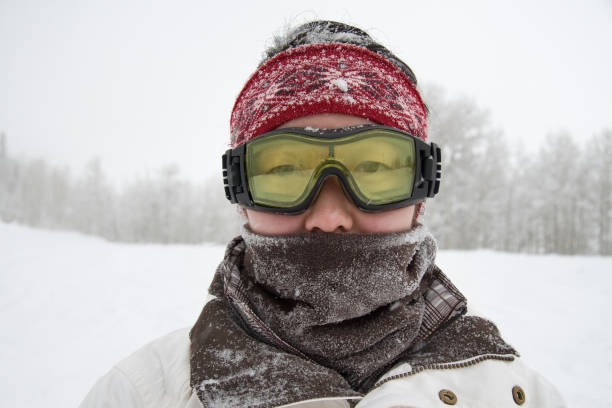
378, 165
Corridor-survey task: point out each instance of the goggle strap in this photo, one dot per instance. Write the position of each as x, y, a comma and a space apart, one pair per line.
428, 170
432, 170
234, 180
438, 169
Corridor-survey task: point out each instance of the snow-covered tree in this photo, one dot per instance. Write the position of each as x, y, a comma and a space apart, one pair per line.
468, 211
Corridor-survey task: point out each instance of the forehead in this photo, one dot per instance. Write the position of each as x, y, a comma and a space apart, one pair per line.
326, 121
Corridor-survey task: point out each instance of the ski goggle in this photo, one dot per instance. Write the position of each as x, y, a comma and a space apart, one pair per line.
379, 167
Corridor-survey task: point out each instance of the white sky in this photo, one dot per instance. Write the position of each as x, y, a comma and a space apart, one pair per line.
146, 83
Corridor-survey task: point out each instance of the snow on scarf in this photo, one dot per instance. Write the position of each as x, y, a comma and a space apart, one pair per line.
309, 315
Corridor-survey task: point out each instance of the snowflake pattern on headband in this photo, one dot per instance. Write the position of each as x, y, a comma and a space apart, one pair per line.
327, 78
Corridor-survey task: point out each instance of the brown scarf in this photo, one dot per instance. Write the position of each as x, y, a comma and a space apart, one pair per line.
338, 308
351, 302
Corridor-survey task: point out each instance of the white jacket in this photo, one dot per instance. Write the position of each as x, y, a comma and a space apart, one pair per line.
157, 376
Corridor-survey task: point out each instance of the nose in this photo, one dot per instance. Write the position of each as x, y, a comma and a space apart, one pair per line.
332, 211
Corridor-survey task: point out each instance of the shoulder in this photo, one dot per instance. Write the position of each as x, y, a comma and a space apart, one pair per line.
157, 375
491, 382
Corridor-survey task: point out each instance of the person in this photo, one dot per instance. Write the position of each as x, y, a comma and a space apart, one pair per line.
330, 297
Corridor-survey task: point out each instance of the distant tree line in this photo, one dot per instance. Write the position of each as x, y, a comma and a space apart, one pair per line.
160, 208
557, 200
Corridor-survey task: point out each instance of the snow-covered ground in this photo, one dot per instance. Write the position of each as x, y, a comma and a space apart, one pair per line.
72, 305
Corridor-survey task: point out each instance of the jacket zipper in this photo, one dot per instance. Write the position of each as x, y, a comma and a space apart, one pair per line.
445, 366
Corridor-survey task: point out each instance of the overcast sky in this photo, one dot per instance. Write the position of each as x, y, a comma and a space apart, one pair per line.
145, 83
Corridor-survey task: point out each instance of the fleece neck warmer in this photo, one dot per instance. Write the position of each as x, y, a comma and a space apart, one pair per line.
352, 302
303, 316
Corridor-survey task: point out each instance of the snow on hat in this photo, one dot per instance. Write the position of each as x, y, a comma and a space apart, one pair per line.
327, 78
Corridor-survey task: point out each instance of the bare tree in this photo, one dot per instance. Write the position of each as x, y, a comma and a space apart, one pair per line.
468, 211
600, 160
3, 149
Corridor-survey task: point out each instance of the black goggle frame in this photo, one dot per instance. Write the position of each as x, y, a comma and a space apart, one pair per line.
428, 169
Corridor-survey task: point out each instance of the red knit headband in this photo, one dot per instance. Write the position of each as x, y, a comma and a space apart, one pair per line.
327, 78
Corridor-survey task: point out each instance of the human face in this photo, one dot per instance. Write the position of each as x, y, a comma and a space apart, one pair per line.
332, 211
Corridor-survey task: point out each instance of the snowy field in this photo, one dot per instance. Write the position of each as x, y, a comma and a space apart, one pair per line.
72, 305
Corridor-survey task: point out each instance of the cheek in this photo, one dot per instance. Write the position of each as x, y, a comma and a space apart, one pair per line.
388, 221
274, 224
